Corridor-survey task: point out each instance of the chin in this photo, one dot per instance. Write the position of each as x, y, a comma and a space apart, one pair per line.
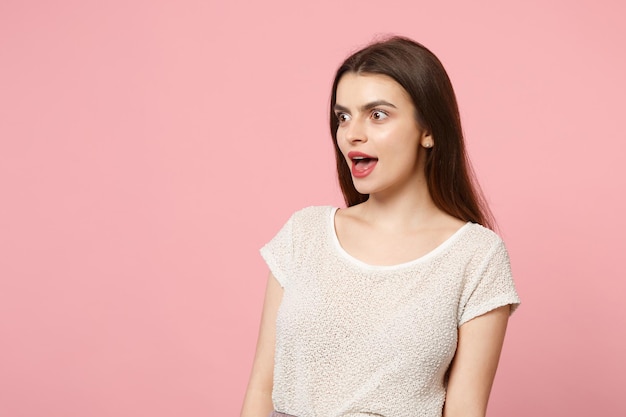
363, 189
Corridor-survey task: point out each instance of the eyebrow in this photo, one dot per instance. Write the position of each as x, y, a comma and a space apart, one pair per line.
365, 107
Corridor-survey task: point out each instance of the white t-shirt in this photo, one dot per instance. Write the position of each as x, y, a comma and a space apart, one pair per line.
354, 339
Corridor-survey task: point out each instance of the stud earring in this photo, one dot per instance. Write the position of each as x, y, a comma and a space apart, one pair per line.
428, 145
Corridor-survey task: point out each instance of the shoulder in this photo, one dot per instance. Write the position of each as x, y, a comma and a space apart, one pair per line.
309, 226
312, 214
481, 236
309, 220
478, 244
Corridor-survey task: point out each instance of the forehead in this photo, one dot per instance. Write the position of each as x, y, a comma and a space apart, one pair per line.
357, 89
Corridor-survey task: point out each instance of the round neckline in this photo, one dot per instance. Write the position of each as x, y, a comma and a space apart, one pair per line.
435, 251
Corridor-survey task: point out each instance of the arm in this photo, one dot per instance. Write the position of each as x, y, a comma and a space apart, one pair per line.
258, 399
474, 365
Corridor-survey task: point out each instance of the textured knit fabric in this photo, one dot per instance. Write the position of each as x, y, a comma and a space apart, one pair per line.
277, 414
354, 339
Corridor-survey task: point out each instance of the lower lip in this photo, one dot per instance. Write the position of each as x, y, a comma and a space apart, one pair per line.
362, 173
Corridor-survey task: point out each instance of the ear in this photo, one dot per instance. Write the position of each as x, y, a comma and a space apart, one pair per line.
426, 140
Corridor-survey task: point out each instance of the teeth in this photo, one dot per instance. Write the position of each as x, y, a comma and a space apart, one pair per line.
359, 158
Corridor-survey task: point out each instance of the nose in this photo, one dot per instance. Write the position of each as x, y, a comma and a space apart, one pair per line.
355, 131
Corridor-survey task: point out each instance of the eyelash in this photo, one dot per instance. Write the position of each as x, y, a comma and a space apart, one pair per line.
374, 111
381, 112
339, 115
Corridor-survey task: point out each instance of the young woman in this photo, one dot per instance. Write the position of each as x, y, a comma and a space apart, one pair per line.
397, 305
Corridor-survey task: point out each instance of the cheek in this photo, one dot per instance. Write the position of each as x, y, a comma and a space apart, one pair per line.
399, 140
341, 142
403, 145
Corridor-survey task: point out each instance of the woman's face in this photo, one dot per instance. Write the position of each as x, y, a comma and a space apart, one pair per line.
378, 135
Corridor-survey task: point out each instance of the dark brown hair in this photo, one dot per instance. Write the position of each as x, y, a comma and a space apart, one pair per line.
451, 181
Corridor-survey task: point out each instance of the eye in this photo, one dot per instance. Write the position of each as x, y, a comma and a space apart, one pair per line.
379, 115
342, 118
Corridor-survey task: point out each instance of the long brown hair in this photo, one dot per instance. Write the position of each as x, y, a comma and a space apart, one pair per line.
449, 175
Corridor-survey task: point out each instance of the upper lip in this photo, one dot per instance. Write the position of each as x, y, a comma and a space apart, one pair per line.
359, 155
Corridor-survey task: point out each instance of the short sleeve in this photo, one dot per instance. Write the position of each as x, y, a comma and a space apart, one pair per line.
490, 287
278, 253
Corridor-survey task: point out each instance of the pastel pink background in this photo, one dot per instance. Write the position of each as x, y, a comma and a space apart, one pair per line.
149, 148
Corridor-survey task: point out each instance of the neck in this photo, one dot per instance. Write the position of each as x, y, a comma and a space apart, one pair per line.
409, 207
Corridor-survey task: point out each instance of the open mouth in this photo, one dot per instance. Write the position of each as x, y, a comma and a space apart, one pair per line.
361, 163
